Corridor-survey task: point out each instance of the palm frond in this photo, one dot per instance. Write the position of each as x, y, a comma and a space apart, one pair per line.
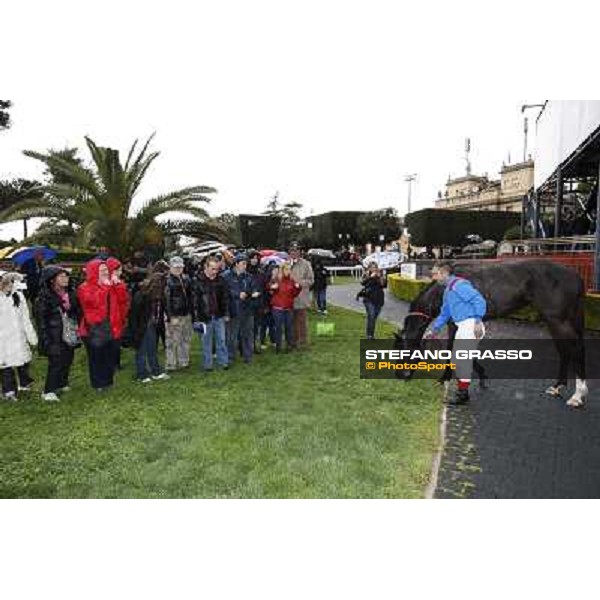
174, 201
80, 175
131, 151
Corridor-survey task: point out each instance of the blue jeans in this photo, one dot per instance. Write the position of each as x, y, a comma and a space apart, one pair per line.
215, 329
321, 298
283, 319
267, 323
147, 352
240, 334
373, 311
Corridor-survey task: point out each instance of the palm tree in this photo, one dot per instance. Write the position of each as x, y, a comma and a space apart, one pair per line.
92, 206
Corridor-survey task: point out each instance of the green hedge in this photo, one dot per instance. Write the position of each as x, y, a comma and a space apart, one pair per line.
408, 289
441, 227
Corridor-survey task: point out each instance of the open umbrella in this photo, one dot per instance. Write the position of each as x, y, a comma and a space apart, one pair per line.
264, 253
321, 253
273, 259
22, 255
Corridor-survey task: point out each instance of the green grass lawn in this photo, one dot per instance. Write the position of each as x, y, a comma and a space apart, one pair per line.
300, 425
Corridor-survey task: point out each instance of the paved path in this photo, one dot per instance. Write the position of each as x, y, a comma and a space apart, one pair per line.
511, 441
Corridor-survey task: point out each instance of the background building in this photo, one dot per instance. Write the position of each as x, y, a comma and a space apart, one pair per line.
476, 192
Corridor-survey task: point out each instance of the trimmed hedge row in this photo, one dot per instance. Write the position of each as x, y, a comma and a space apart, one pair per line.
408, 289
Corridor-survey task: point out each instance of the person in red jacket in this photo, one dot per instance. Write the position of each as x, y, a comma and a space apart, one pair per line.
283, 289
99, 320
121, 300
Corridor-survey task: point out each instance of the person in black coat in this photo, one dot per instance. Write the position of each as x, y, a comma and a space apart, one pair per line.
210, 311
146, 318
320, 285
55, 301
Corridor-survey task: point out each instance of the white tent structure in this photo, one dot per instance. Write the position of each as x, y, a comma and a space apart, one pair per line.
565, 131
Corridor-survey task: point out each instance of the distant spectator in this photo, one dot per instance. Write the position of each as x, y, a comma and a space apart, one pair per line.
302, 273
137, 269
16, 335
147, 317
373, 284
320, 286
283, 290
259, 280
243, 298
210, 308
32, 269
100, 318
121, 302
178, 311
56, 307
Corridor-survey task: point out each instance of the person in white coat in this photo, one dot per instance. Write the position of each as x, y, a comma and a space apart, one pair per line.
16, 335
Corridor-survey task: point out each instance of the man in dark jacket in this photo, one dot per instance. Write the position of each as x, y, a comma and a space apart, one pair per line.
210, 306
178, 311
244, 298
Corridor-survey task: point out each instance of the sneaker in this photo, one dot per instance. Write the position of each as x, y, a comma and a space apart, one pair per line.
50, 397
11, 396
324, 312
145, 380
161, 377
67, 388
25, 388
263, 346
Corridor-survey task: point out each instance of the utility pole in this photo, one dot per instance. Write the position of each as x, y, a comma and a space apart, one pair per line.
409, 179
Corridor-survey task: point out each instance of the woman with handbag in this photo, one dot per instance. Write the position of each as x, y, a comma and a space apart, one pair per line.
96, 324
57, 314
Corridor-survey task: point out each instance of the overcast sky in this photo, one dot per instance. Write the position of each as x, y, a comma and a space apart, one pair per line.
330, 104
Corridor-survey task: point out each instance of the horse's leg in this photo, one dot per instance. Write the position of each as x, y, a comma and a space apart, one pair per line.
478, 368
564, 337
577, 400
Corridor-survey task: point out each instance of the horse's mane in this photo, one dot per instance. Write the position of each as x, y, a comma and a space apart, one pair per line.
426, 297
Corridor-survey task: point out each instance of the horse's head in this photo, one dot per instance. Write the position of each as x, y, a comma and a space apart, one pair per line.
423, 311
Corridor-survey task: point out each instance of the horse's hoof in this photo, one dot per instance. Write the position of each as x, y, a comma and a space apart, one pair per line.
574, 402
555, 391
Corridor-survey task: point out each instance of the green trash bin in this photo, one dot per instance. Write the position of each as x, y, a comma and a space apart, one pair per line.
325, 328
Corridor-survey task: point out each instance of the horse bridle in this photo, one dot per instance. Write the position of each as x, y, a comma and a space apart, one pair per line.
419, 314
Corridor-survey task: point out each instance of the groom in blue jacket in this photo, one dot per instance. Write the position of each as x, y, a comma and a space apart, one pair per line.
465, 305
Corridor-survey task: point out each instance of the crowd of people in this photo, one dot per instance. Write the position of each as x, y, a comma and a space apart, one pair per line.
233, 303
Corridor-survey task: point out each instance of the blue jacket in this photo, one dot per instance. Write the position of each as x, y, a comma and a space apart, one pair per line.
461, 301
237, 284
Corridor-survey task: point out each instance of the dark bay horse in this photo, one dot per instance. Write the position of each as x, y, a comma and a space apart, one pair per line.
555, 291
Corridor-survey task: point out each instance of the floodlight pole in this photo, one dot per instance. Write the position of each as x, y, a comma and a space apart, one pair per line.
409, 179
